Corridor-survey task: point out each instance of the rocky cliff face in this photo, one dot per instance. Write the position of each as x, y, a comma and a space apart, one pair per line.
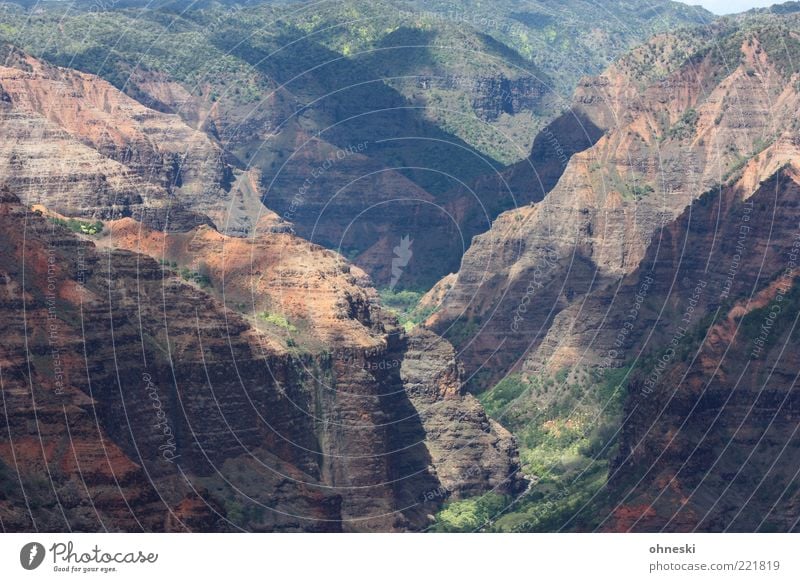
208, 418
442, 98
169, 375
709, 436
475, 207
106, 432
498, 95
676, 127
490, 96
81, 147
685, 303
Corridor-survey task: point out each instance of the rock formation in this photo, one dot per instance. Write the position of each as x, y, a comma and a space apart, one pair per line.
79, 146
149, 404
676, 126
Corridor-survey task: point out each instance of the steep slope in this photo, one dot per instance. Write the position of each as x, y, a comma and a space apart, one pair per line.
431, 99
710, 436
664, 397
77, 144
459, 75
490, 74
322, 305
216, 416
684, 113
471, 65
111, 421
677, 383
592, 34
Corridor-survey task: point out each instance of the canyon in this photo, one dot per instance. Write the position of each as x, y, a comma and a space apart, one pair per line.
433, 100
366, 270
206, 419
645, 270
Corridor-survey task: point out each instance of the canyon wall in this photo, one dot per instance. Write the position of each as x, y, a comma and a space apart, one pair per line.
151, 405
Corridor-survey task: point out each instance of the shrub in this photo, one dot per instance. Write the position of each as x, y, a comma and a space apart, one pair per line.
279, 320
507, 390
80, 226
470, 514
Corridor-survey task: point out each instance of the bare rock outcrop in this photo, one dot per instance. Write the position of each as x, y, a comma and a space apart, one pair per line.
676, 127
205, 416
76, 144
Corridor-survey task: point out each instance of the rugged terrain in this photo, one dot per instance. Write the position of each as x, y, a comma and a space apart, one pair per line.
201, 410
76, 144
430, 99
624, 311
680, 115
710, 437
198, 201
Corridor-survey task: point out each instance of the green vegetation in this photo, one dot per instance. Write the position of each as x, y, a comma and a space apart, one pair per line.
779, 39
199, 276
400, 301
685, 127
567, 426
788, 306
80, 226
278, 320
589, 34
470, 515
405, 306
632, 186
104, 43
507, 390
638, 191
233, 54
